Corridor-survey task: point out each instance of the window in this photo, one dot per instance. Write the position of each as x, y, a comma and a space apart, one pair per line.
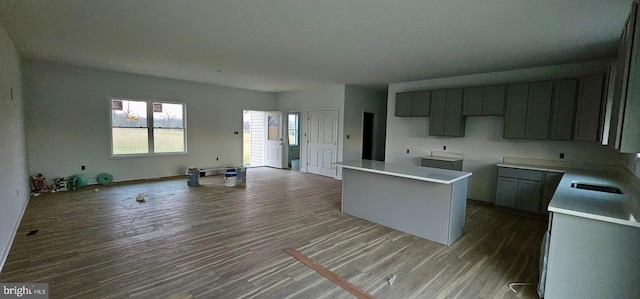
293, 129
142, 127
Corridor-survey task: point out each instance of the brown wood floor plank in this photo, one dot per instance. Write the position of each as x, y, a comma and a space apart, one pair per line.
214, 241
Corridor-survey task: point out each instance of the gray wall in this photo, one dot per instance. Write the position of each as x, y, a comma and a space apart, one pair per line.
483, 145
14, 178
67, 113
357, 101
331, 96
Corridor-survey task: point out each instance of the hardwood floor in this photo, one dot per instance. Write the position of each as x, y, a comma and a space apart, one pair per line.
213, 241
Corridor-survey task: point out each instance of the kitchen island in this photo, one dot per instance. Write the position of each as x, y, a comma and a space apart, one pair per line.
426, 202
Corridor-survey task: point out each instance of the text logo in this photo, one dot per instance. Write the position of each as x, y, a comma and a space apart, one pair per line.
24, 290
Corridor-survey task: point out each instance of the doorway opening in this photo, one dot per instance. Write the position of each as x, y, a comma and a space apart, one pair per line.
262, 138
367, 136
293, 138
253, 136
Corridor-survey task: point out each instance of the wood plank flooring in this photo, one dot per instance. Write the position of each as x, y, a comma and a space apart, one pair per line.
213, 241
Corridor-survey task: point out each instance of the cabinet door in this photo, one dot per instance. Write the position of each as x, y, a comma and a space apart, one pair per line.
473, 101
494, 100
438, 111
564, 104
420, 103
506, 192
528, 195
516, 114
454, 122
588, 118
538, 110
403, 103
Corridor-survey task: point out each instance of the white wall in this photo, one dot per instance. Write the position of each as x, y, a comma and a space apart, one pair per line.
331, 96
357, 101
67, 113
14, 178
483, 145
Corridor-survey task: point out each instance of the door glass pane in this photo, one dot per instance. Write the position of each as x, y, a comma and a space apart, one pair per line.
273, 123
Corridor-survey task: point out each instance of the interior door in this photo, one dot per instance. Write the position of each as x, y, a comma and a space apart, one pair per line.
322, 141
273, 144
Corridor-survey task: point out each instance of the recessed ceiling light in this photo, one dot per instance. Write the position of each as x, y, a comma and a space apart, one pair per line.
219, 71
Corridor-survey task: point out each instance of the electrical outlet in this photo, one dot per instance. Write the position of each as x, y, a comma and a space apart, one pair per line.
561, 155
444, 148
407, 151
216, 158
236, 132
17, 192
83, 167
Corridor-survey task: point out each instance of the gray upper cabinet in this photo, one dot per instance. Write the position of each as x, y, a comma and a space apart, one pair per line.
484, 101
564, 102
473, 101
421, 103
538, 110
494, 97
588, 117
417, 104
625, 117
446, 113
454, 122
528, 110
516, 113
403, 103
438, 111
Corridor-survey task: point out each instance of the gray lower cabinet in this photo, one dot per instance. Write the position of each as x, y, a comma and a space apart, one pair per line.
528, 196
446, 113
588, 110
507, 192
590, 258
526, 190
441, 163
564, 103
415, 104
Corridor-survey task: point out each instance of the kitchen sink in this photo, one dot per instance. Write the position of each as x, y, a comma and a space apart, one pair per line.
594, 187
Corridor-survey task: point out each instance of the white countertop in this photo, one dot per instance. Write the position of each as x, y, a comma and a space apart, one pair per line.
615, 208
440, 158
428, 174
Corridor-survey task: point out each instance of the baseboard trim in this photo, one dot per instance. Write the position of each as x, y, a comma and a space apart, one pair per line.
5, 253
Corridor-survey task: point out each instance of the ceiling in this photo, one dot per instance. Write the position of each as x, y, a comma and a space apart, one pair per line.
280, 45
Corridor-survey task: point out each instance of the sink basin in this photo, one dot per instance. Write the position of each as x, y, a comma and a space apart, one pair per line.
594, 187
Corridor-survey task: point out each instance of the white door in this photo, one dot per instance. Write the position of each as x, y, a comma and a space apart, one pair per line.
273, 144
322, 145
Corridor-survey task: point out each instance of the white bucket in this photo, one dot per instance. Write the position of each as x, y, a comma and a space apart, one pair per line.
230, 179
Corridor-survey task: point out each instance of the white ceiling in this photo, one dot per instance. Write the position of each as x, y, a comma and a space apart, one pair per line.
281, 45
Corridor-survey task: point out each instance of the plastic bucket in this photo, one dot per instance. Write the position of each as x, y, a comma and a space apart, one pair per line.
193, 177
230, 178
242, 175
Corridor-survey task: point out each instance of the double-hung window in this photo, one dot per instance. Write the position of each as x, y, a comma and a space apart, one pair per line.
141, 127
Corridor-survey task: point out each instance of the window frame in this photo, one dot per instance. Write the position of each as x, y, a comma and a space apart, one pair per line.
150, 128
297, 129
